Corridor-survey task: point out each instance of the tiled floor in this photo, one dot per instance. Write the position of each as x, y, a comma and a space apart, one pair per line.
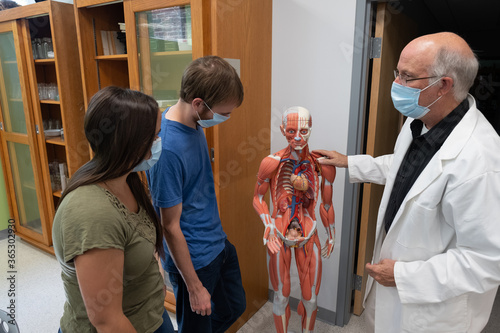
262, 322
40, 298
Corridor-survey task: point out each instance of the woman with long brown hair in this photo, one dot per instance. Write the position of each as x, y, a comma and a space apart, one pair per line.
105, 230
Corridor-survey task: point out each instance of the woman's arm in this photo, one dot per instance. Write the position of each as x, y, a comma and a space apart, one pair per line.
100, 277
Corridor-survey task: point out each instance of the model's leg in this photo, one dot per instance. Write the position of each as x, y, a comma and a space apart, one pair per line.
228, 297
308, 259
279, 273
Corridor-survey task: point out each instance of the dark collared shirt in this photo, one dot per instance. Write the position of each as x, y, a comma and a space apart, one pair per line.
421, 150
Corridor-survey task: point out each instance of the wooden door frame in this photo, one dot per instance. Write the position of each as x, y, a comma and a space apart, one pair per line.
357, 135
351, 207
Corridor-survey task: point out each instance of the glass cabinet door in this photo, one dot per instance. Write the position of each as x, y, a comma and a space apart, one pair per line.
15, 139
164, 45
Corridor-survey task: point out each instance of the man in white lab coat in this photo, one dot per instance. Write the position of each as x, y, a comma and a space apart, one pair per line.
436, 262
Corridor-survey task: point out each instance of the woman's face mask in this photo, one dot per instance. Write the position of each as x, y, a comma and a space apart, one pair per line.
155, 156
405, 100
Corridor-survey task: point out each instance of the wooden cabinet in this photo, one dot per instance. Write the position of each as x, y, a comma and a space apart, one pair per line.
40, 93
99, 70
162, 37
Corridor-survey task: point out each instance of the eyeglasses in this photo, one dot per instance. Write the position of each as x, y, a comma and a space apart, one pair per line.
404, 79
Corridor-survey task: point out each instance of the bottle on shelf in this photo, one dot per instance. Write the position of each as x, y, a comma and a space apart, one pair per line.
48, 50
48, 91
52, 128
34, 48
39, 48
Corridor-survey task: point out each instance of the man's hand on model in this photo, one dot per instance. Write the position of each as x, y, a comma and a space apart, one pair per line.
331, 158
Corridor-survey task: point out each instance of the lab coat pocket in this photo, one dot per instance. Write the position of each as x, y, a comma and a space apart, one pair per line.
446, 317
422, 230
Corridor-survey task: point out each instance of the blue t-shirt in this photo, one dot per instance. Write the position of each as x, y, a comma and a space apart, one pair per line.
183, 174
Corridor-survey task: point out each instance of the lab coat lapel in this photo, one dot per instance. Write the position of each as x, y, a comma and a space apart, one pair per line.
449, 150
402, 144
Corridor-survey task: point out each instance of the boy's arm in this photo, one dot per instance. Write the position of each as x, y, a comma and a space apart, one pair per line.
199, 297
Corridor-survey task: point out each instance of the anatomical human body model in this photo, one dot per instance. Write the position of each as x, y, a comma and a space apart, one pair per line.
295, 180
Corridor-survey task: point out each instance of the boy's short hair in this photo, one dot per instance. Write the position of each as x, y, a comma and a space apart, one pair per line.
212, 79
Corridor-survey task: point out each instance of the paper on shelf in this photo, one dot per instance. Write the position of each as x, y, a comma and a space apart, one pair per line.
111, 44
62, 173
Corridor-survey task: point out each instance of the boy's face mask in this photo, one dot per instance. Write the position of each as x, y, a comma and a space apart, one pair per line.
217, 119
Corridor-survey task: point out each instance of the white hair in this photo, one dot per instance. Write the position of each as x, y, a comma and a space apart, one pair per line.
461, 68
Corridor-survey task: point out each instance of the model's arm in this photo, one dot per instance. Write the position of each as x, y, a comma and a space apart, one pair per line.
199, 297
99, 272
267, 169
327, 213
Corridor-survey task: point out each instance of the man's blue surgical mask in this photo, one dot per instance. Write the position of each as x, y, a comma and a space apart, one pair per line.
217, 119
155, 156
405, 100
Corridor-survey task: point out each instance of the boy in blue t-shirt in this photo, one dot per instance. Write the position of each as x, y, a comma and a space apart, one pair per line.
202, 264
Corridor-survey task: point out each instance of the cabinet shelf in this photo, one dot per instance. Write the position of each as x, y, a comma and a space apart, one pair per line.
57, 194
112, 57
45, 61
49, 101
56, 141
10, 62
171, 53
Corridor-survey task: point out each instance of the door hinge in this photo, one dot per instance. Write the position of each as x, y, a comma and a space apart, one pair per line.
37, 130
1, 126
212, 155
357, 281
375, 47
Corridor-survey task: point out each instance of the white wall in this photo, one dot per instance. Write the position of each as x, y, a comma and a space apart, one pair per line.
312, 68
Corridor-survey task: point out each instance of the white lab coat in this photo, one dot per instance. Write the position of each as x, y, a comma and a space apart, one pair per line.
446, 234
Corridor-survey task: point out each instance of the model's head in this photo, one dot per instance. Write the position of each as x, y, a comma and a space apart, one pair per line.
120, 125
212, 79
296, 127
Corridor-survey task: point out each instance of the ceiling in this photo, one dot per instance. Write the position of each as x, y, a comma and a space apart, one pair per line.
477, 21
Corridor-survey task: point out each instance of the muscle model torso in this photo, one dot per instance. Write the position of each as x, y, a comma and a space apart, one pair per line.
296, 182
